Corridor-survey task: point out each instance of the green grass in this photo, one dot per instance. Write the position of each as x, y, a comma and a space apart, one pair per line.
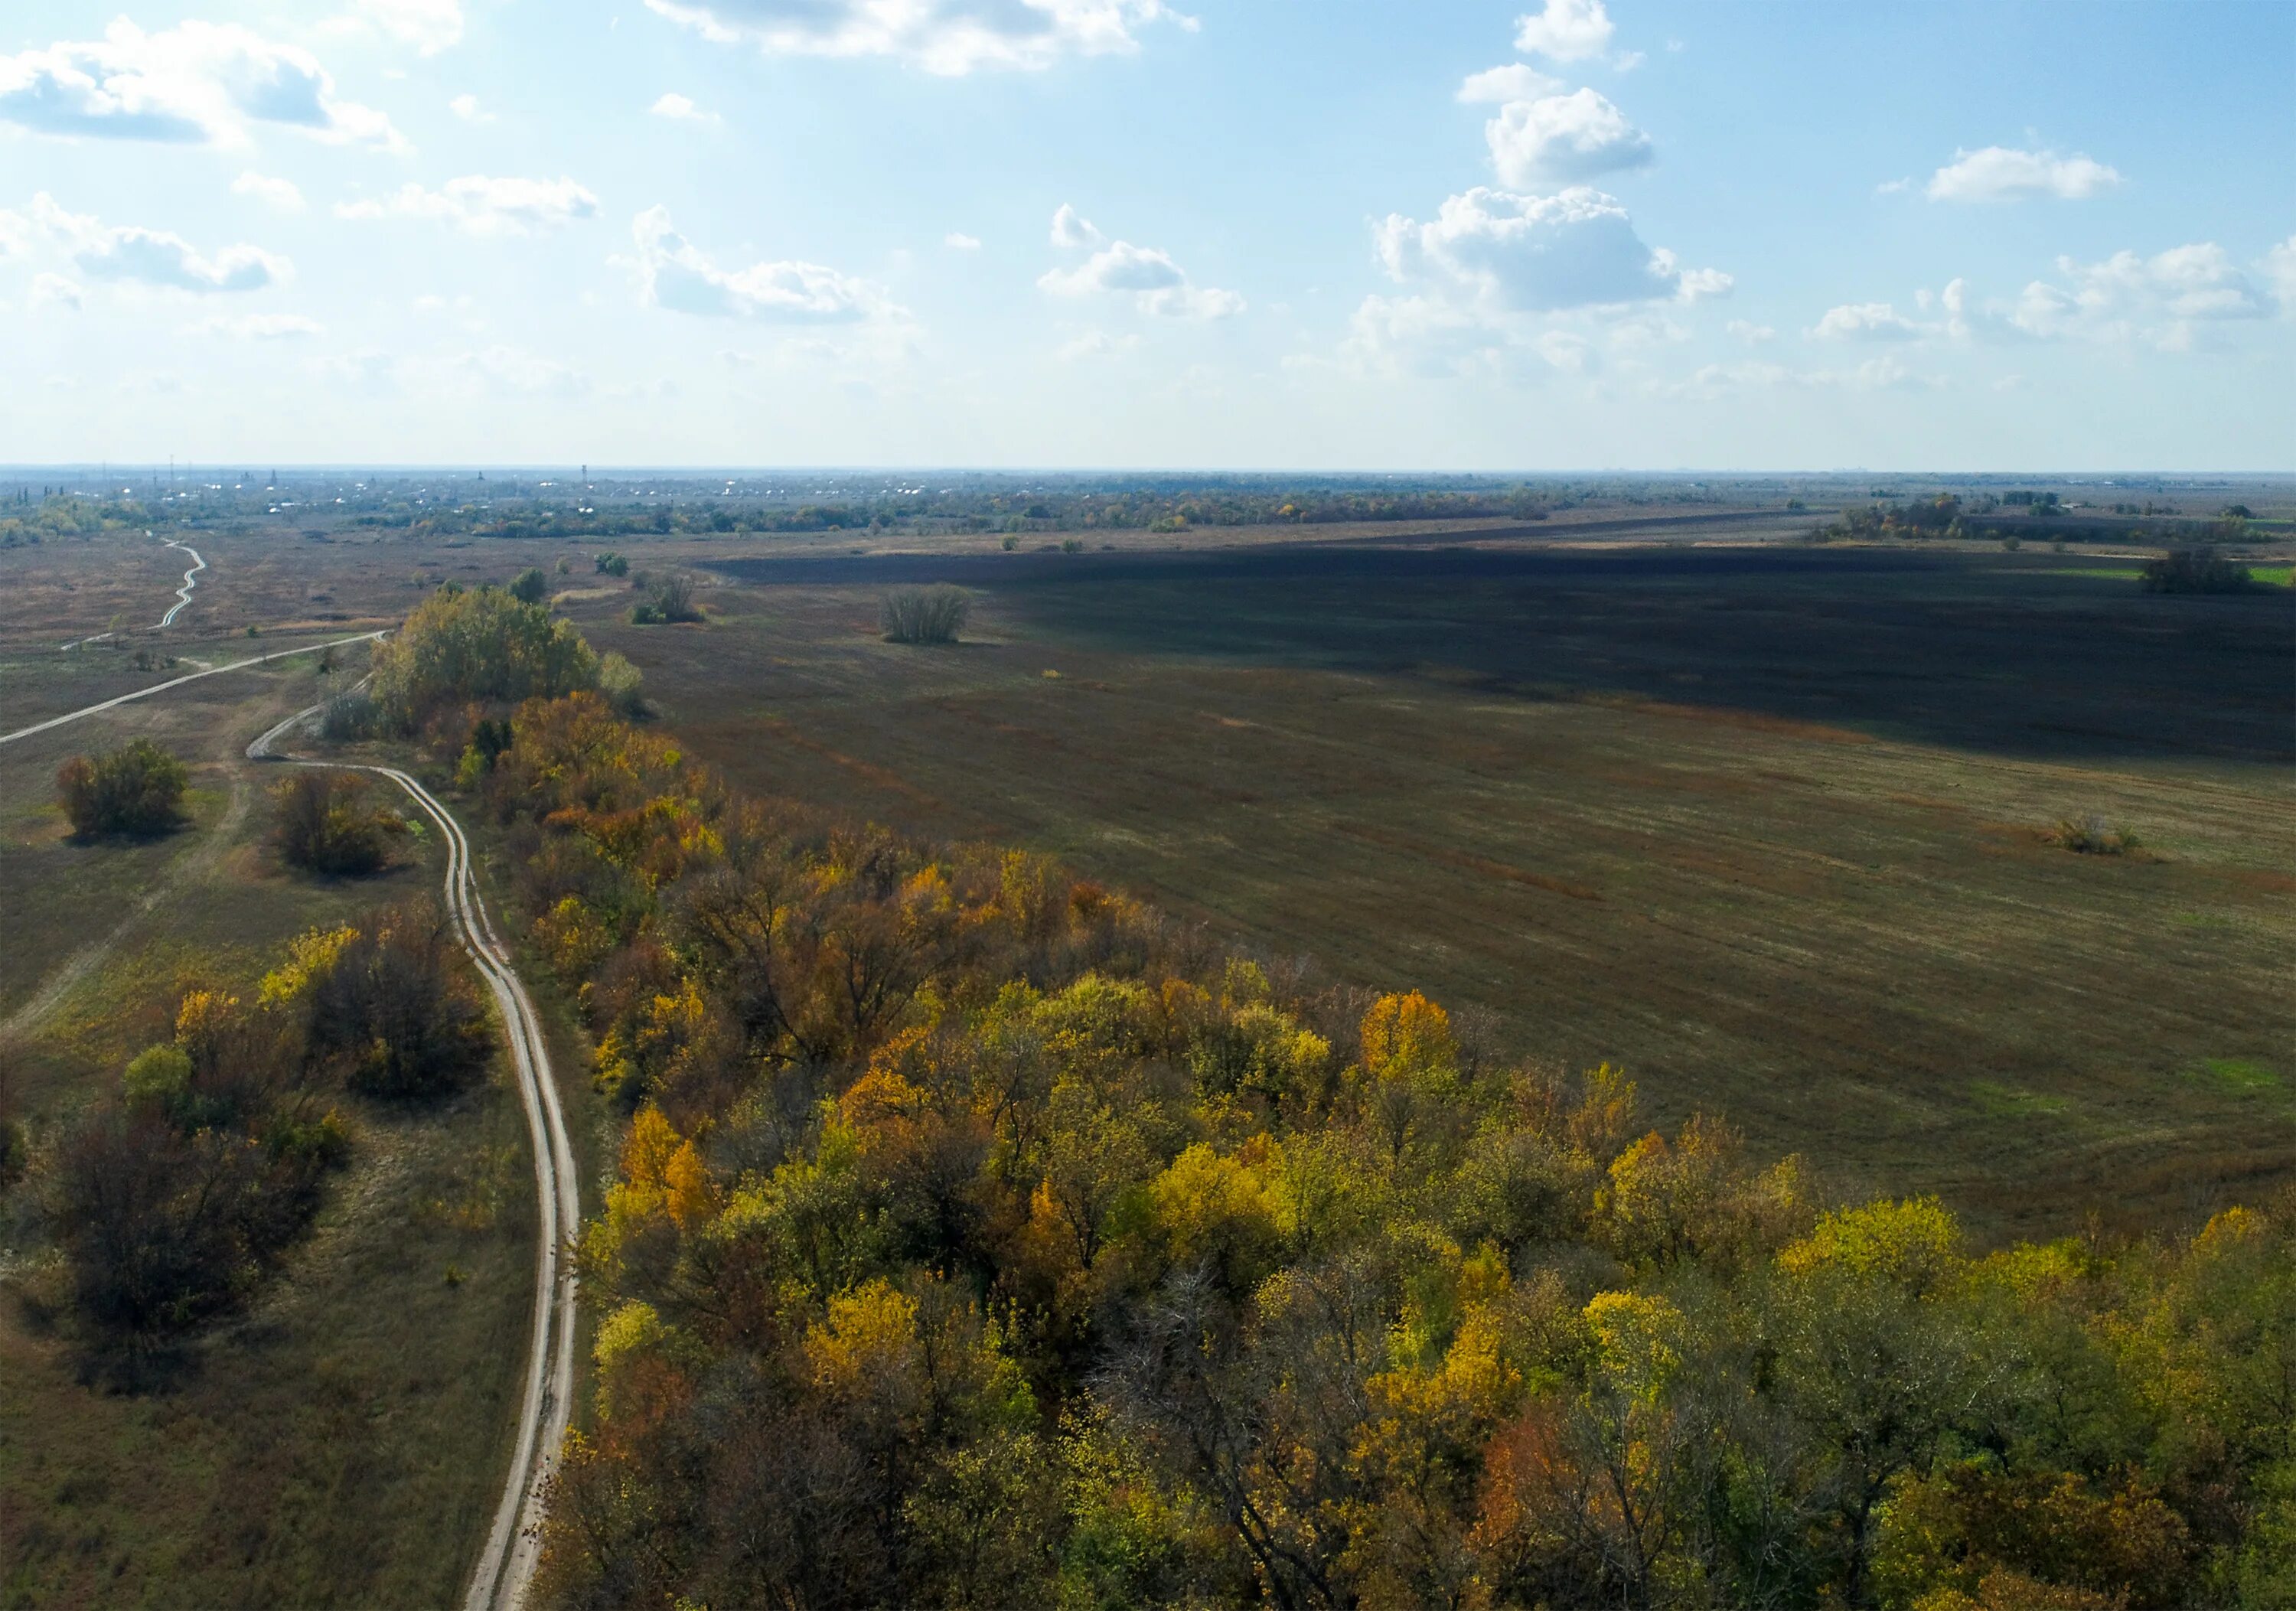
2279, 576
1999, 1101
2242, 1074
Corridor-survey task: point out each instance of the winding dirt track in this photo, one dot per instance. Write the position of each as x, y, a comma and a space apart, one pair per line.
513, 1545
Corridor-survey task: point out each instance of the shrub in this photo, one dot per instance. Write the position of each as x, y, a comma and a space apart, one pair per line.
2196, 571
613, 564
531, 586
395, 1008
668, 598
326, 822
925, 615
620, 681
2091, 835
348, 717
481, 645
136, 791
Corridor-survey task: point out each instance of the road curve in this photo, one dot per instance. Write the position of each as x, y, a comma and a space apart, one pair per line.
183, 594
513, 1547
177, 682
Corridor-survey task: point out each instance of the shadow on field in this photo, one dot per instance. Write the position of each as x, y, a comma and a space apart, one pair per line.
2007, 653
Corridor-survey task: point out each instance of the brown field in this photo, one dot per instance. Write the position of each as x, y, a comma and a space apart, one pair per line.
1770, 833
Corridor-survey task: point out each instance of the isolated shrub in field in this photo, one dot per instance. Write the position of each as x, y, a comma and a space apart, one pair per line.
396, 1009
613, 564
134, 790
531, 586
348, 717
925, 615
668, 598
481, 644
328, 822
2093, 835
2196, 571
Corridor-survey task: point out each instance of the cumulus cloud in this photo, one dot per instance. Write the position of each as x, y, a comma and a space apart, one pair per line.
281, 193
680, 109
1071, 230
512, 372
2165, 300
1867, 322
467, 108
676, 276
956, 239
1148, 275
1563, 139
1495, 86
1567, 30
1534, 254
484, 206
946, 36
1998, 173
2280, 268
197, 83
1750, 333
152, 256
1717, 381
430, 26
1096, 344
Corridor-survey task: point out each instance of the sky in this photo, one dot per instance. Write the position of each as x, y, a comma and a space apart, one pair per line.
1328, 235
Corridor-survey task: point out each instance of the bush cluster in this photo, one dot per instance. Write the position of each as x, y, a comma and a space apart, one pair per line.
925, 615
2196, 571
177, 1199
136, 791
327, 821
476, 645
668, 599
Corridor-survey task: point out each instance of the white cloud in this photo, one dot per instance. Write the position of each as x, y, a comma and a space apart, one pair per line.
467, 108
1750, 333
260, 327
1071, 230
152, 256
197, 83
15, 234
1495, 86
946, 36
430, 26
2000, 174
2163, 299
1867, 322
2280, 268
54, 291
956, 239
675, 275
1533, 254
1563, 139
281, 193
680, 109
1717, 381
484, 206
1568, 30
1147, 274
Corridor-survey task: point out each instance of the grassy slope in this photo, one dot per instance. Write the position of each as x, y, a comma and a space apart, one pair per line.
1845, 933
341, 1444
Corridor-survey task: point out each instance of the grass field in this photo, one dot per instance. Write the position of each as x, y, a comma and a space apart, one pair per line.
340, 1443
1766, 826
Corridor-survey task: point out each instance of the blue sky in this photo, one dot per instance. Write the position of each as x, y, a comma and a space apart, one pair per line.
1124, 233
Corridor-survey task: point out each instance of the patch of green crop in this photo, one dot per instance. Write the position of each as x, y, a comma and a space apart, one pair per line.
2242, 1074
1999, 1101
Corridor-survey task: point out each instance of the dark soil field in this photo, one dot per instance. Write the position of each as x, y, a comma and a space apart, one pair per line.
1767, 825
